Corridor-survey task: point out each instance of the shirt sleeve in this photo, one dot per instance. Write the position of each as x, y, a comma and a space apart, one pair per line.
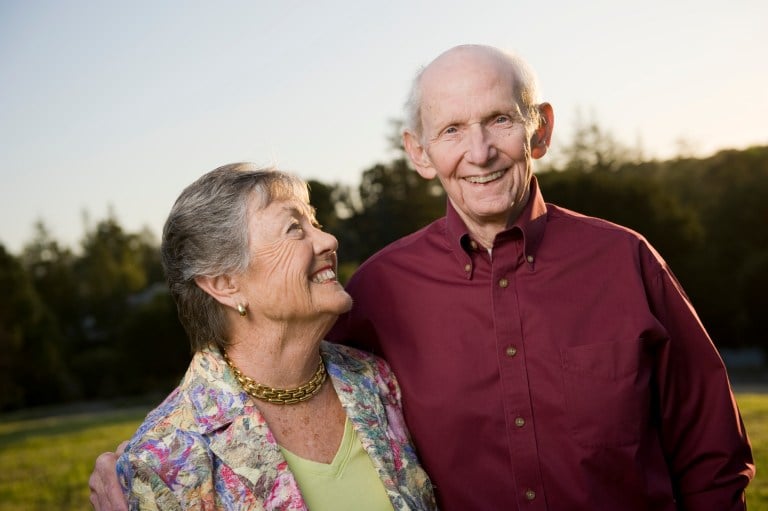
702, 433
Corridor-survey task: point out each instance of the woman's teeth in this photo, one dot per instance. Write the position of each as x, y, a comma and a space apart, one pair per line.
323, 276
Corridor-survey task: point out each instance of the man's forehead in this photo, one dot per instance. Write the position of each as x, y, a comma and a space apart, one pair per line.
463, 75
468, 92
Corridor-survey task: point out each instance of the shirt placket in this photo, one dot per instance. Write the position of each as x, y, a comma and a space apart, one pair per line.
510, 352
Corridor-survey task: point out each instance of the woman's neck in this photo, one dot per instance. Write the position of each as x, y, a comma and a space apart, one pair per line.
277, 354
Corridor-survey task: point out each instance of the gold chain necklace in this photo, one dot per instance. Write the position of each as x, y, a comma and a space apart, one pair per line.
280, 396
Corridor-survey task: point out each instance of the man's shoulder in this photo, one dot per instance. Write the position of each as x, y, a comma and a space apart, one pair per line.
559, 217
571, 229
420, 243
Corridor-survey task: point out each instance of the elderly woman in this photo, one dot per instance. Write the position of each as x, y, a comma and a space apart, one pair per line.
268, 416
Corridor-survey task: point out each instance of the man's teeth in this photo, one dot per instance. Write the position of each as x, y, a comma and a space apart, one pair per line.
485, 179
323, 276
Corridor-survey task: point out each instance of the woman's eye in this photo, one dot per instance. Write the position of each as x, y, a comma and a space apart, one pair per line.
296, 226
502, 119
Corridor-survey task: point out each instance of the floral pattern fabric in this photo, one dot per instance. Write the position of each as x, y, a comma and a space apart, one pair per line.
208, 447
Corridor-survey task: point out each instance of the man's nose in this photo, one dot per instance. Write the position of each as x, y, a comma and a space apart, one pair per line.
480, 148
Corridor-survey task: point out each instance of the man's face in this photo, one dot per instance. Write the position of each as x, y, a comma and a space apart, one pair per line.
474, 138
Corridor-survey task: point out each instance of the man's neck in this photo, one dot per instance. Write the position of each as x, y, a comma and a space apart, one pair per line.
484, 233
484, 230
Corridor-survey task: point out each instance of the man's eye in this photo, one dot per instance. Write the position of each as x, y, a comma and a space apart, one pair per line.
450, 130
503, 119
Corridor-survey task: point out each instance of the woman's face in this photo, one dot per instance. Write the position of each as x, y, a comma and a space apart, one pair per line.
292, 271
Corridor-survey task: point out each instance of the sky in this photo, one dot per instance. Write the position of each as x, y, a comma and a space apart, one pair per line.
113, 107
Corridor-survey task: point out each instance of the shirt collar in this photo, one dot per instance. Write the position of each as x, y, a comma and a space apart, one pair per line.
531, 223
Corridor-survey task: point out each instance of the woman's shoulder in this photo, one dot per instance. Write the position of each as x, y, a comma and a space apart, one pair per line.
349, 357
166, 446
170, 421
358, 367
185, 416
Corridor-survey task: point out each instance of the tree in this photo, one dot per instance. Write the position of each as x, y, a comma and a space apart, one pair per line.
733, 191
633, 201
393, 201
592, 149
31, 369
151, 338
327, 199
51, 270
114, 266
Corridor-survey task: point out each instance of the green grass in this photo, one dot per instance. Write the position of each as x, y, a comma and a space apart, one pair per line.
45, 462
754, 411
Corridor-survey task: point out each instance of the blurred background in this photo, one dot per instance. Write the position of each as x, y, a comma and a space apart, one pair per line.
107, 110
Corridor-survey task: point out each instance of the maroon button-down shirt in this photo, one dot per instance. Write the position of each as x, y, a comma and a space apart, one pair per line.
567, 371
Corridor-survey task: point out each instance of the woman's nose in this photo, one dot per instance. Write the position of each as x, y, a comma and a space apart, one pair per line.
325, 242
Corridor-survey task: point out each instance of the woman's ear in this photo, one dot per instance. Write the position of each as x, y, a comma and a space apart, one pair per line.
418, 155
222, 288
542, 135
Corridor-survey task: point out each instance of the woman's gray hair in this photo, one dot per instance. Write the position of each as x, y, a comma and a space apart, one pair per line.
525, 87
206, 235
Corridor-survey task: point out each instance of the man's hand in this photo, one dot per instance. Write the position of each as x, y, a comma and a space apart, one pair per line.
106, 494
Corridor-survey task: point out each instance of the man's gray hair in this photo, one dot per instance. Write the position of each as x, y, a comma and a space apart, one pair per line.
525, 87
206, 235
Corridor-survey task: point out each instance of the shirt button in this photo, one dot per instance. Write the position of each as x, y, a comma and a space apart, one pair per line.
530, 494
511, 351
529, 258
467, 268
519, 422
503, 283
473, 244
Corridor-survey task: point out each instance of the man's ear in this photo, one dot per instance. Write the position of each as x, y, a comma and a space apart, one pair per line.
542, 135
222, 288
418, 155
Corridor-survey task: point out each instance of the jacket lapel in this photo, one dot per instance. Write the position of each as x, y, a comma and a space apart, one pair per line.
239, 435
357, 390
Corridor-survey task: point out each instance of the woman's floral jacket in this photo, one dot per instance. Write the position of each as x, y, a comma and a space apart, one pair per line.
208, 447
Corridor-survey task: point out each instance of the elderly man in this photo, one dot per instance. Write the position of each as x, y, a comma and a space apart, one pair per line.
548, 360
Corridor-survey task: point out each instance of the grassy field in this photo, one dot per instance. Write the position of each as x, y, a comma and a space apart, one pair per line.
45, 462
754, 411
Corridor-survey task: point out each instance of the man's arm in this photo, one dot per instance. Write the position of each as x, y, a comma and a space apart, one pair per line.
106, 493
702, 432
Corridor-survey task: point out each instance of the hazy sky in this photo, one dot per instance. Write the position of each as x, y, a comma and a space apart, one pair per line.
107, 104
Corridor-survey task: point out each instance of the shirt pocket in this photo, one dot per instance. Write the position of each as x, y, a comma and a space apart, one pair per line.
607, 392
